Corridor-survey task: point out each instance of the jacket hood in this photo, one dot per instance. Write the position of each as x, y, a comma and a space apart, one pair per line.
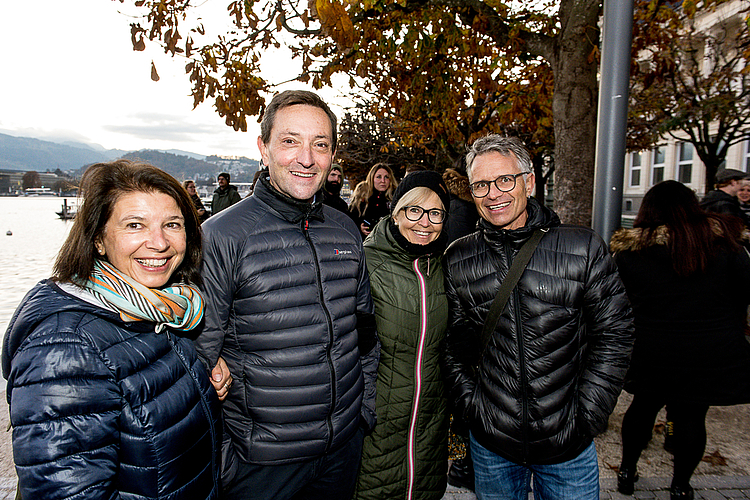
42, 301
636, 239
290, 209
633, 239
539, 217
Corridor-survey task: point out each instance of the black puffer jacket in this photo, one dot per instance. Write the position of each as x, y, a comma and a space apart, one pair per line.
287, 297
554, 367
103, 409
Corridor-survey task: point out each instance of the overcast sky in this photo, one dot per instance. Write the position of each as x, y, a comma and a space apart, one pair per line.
69, 72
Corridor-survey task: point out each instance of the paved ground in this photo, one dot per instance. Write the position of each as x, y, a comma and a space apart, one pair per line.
706, 487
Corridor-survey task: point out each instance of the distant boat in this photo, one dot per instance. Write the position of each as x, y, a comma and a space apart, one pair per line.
42, 191
68, 211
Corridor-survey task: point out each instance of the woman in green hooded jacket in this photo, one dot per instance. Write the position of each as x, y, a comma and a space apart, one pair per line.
406, 456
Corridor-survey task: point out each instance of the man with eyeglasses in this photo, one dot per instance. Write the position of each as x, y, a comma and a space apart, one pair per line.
546, 381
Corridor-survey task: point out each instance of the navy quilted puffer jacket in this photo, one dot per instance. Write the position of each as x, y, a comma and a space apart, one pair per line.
103, 409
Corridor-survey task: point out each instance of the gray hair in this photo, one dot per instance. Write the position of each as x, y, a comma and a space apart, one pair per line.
506, 146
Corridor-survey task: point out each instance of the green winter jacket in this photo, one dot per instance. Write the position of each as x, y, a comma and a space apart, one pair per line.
406, 456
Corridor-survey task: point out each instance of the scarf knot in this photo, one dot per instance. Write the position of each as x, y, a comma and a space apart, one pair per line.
179, 306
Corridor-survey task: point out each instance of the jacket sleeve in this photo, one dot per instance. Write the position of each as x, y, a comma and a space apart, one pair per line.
610, 337
64, 408
218, 291
369, 345
460, 352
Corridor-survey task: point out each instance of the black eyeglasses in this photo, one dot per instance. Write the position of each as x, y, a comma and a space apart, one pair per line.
415, 213
504, 183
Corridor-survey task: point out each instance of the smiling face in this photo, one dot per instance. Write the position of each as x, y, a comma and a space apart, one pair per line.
144, 237
422, 231
381, 181
504, 210
744, 193
299, 151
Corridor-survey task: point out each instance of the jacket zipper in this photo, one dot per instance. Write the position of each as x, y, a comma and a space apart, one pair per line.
204, 405
522, 366
331, 370
411, 455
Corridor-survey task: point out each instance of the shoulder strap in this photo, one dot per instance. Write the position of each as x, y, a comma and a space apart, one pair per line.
509, 283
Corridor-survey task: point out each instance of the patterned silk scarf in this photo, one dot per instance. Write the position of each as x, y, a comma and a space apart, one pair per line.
179, 306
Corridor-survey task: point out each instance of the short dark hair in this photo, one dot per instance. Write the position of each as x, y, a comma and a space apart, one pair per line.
225, 175
292, 98
101, 187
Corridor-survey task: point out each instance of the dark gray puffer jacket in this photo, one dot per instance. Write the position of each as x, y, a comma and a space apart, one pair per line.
554, 367
288, 307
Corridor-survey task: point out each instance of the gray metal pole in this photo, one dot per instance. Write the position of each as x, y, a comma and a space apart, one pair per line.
612, 116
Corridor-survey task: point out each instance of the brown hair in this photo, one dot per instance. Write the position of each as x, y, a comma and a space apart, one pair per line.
102, 186
292, 98
694, 233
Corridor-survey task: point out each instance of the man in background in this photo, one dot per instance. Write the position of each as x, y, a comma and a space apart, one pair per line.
723, 199
225, 195
332, 189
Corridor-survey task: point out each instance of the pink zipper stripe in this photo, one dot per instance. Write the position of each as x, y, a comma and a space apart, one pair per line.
411, 444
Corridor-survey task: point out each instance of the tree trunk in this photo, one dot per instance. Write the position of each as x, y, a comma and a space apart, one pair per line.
574, 106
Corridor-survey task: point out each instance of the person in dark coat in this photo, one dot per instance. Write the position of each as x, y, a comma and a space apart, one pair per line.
225, 195
371, 199
107, 397
723, 199
686, 274
332, 189
463, 216
197, 203
549, 375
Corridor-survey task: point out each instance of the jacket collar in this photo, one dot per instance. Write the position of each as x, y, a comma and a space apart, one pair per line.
538, 217
290, 209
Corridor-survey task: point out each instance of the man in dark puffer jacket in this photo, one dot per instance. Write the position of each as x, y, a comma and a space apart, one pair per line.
554, 365
288, 307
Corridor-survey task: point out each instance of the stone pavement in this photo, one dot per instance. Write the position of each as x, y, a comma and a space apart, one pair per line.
706, 488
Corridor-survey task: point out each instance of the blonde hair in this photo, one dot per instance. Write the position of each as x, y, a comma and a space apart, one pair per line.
415, 196
363, 195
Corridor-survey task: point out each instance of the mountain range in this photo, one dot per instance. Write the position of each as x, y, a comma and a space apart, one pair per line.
25, 154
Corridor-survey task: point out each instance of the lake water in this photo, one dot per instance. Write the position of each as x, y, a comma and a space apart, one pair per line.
27, 256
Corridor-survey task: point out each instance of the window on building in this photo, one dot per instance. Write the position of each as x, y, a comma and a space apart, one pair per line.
746, 162
685, 162
635, 169
657, 165
628, 205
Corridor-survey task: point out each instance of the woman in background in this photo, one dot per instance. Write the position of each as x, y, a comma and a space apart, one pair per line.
686, 275
406, 456
197, 203
371, 201
107, 400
